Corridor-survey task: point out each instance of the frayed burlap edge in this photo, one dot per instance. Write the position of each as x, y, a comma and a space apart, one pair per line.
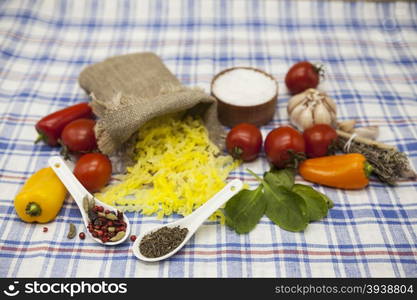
108, 143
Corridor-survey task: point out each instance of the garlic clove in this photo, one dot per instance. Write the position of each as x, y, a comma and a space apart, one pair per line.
305, 119
295, 114
369, 132
347, 126
311, 107
321, 115
330, 103
295, 101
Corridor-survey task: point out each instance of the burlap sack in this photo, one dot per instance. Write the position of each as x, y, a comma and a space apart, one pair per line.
129, 90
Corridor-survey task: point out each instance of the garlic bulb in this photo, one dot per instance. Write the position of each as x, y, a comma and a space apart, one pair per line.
311, 107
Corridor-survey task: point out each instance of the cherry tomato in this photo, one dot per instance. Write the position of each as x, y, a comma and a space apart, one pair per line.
318, 139
302, 76
78, 136
284, 147
244, 141
93, 170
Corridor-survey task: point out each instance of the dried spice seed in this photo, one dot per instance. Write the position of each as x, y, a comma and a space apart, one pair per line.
86, 203
72, 231
162, 241
133, 238
82, 235
103, 223
111, 216
118, 236
45, 229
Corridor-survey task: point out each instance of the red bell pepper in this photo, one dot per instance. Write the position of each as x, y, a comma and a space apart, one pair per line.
50, 127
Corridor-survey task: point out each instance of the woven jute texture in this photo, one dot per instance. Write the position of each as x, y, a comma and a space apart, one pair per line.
129, 90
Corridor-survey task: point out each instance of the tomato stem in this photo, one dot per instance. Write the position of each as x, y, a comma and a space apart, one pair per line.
319, 69
237, 152
295, 158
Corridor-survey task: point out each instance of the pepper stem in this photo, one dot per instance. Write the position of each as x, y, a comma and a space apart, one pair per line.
367, 167
40, 137
33, 209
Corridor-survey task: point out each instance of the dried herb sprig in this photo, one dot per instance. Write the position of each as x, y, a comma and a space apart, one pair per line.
390, 165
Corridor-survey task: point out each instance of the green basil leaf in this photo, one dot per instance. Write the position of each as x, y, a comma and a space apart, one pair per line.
285, 208
316, 204
283, 177
244, 210
329, 201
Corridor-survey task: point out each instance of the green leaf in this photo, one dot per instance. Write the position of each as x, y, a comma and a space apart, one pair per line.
285, 208
329, 201
317, 206
244, 210
283, 177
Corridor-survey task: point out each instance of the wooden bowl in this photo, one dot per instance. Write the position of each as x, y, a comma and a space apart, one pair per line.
231, 115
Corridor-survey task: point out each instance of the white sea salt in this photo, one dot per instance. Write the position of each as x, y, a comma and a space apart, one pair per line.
244, 87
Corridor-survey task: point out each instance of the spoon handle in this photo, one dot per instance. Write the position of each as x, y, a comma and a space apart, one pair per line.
74, 187
208, 208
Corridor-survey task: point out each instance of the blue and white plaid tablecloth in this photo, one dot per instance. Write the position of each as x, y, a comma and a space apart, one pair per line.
370, 53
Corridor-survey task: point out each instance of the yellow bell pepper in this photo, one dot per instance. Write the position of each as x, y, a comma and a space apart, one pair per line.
41, 197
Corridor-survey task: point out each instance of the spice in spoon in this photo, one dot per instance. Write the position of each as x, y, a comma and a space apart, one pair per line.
162, 241
106, 225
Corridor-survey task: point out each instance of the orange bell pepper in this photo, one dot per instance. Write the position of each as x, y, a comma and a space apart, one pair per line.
348, 171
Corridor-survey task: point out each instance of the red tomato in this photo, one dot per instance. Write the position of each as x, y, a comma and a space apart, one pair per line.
284, 146
93, 170
50, 127
244, 141
302, 76
78, 136
318, 138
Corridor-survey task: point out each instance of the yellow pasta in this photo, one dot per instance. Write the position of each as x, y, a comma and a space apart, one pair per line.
177, 170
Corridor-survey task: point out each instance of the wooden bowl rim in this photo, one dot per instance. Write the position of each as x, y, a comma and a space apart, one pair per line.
273, 98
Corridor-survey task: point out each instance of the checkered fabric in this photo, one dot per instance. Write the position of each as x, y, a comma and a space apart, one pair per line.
370, 53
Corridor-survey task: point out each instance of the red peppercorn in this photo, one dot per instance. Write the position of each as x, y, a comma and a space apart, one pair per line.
107, 212
109, 223
99, 233
82, 235
45, 229
120, 228
133, 237
99, 208
104, 239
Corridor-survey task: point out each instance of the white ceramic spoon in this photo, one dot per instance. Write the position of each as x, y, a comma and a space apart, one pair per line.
78, 192
193, 221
